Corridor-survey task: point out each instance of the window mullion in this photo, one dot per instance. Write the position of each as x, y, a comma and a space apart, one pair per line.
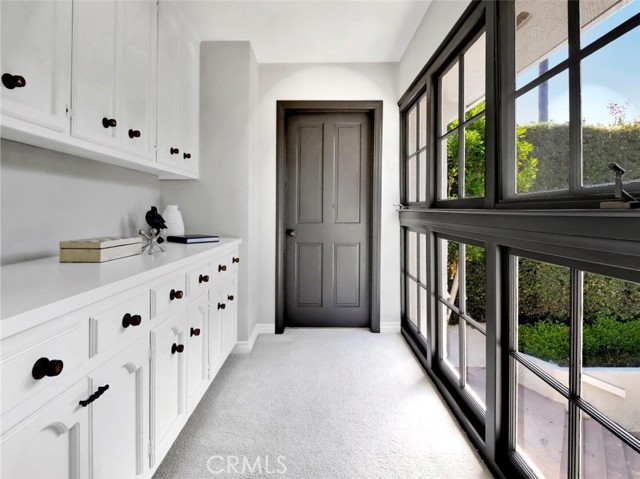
461, 129
575, 371
462, 330
575, 107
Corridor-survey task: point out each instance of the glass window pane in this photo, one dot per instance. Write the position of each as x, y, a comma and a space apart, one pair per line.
474, 77
542, 137
541, 37
423, 258
422, 158
451, 334
611, 348
611, 110
449, 166
412, 253
411, 130
422, 108
474, 158
412, 299
449, 98
423, 311
452, 274
476, 363
598, 17
475, 275
411, 180
541, 425
604, 455
543, 315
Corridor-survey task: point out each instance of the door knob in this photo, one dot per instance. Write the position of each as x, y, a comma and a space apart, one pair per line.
13, 81
109, 122
177, 348
134, 134
291, 233
204, 278
173, 294
186, 156
195, 331
46, 367
129, 320
175, 151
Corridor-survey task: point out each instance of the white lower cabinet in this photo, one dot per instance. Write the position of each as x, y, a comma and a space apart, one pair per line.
52, 443
229, 297
196, 349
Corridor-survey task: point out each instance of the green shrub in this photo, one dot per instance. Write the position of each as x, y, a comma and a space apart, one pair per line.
546, 340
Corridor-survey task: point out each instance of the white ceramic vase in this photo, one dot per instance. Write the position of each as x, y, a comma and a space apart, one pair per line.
173, 219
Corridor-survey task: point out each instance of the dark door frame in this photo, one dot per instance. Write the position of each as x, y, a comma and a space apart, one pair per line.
374, 109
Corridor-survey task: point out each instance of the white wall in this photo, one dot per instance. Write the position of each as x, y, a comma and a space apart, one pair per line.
49, 196
327, 82
436, 24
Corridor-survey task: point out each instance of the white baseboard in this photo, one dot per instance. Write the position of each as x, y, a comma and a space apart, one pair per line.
390, 326
245, 347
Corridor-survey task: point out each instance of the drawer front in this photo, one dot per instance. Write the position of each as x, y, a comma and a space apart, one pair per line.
199, 279
168, 295
119, 324
225, 265
49, 353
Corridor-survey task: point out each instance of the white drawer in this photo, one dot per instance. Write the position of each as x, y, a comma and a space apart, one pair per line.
225, 266
119, 322
168, 295
199, 279
57, 347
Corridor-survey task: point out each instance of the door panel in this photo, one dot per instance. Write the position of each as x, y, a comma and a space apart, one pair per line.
328, 207
197, 367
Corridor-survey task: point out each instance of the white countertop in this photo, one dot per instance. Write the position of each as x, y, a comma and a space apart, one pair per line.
46, 288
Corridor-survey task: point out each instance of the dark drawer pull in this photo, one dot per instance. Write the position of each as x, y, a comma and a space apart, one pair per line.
204, 278
195, 331
230, 297
174, 151
221, 306
175, 294
235, 260
186, 156
129, 320
134, 134
222, 267
109, 122
46, 367
94, 396
13, 81
177, 348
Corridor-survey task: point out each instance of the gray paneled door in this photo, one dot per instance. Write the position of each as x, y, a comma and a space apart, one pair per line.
327, 218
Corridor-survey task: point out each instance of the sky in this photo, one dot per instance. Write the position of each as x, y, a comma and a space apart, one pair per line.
610, 75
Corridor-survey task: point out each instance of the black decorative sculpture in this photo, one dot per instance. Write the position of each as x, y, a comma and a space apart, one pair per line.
157, 223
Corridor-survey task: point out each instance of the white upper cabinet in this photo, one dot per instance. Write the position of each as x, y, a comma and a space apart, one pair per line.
178, 93
36, 62
114, 58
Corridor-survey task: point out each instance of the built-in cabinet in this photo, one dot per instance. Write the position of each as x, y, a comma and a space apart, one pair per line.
115, 81
104, 390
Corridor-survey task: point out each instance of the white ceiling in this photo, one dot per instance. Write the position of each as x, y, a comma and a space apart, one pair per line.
309, 31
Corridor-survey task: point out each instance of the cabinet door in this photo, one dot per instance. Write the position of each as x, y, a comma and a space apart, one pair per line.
53, 443
216, 357
120, 415
189, 108
36, 45
138, 72
95, 87
169, 151
229, 317
168, 408
196, 349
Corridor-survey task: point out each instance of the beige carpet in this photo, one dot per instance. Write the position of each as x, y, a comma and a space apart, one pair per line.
323, 403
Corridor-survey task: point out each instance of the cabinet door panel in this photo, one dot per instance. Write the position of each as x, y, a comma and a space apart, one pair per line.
168, 406
36, 44
197, 365
53, 443
139, 77
119, 415
189, 84
96, 34
229, 317
215, 333
168, 87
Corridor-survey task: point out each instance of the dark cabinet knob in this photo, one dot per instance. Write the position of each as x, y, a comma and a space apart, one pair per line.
195, 331
230, 297
13, 81
134, 134
109, 122
175, 151
186, 156
101, 390
204, 278
221, 306
222, 267
177, 348
129, 320
235, 260
46, 367
175, 294
291, 233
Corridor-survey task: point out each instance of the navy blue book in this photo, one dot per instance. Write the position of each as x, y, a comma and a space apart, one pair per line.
190, 239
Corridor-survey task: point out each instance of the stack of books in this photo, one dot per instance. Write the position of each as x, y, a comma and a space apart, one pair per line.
191, 239
99, 250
